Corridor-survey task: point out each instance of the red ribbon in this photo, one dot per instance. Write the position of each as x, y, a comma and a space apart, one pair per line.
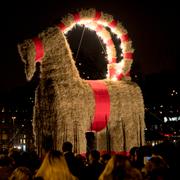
128, 73
102, 105
128, 55
113, 24
97, 16
120, 76
99, 28
76, 17
109, 42
124, 153
112, 71
62, 26
113, 60
38, 48
124, 38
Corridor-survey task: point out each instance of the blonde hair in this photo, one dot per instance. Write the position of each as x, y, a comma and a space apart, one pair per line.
119, 167
54, 167
21, 173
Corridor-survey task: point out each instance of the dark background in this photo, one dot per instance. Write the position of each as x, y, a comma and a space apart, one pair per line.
153, 28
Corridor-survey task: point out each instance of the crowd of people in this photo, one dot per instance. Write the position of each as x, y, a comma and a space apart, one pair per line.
160, 162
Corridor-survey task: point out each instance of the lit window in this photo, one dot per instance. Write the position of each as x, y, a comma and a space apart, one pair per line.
4, 136
24, 147
165, 119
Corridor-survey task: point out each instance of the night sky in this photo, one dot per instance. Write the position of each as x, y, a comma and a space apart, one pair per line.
152, 27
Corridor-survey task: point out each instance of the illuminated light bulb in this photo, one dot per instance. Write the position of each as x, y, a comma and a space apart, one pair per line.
104, 23
114, 78
118, 71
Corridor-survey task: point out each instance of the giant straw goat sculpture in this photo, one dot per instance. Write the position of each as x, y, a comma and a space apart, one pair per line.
65, 104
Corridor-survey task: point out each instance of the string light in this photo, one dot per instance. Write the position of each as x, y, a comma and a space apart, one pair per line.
98, 21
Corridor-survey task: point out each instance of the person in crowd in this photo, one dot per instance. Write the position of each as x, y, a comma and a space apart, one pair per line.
5, 167
133, 156
139, 156
177, 159
67, 149
105, 158
80, 165
156, 169
167, 150
94, 168
21, 173
119, 168
15, 155
54, 167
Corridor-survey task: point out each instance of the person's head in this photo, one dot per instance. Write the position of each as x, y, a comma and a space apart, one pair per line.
21, 173
4, 160
119, 167
15, 156
54, 167
67, 146
156, 168
133, 153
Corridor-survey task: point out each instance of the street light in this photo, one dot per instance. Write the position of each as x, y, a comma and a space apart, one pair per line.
13, 118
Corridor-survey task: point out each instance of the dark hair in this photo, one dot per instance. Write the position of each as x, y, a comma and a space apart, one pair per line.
133, 150
4, 160
106, 156
67, 146
95, 154
38, 178
157, 167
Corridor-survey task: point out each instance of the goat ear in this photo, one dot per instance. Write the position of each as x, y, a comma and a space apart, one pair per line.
27, 54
